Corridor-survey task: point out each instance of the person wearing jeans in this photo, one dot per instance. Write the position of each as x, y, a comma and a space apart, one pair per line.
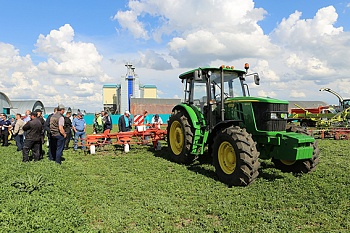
79, 128
18, 132
56, 148
57, 135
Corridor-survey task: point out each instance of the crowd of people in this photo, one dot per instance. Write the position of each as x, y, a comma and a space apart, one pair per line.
125, 121
30, 129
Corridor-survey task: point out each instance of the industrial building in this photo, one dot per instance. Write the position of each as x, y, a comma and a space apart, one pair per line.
129, 94
5, 103
12, 107
20, 106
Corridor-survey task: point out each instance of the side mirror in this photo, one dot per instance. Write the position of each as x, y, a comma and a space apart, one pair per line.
256, 79
198, 75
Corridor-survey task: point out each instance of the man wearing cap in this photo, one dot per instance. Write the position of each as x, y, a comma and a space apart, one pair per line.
33, 129
57, 135
18, 132
79, 128
156, 121
125, 122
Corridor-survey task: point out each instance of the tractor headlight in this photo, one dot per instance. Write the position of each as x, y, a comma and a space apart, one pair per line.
284, 116
278, 116
273, 116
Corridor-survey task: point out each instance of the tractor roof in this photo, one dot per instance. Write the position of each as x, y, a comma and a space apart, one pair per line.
189, 74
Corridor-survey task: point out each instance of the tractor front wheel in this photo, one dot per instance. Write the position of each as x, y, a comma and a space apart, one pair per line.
180, 136
235, 157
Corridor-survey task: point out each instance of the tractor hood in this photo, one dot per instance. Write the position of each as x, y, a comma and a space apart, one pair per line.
256, 99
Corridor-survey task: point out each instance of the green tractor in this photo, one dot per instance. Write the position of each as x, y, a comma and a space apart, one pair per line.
218, 118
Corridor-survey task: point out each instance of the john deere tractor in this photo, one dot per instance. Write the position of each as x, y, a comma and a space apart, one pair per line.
219, 118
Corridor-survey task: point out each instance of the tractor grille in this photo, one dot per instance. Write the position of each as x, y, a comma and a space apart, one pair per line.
262, 114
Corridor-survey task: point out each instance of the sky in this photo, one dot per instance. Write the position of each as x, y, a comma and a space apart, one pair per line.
63, 52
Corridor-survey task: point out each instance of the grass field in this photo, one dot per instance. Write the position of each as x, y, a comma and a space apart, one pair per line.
142, 191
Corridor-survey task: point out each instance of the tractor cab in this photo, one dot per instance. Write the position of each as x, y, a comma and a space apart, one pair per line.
207, 88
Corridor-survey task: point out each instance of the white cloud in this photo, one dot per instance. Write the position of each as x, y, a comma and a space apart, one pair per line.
310, 31
266, 72
294, 61
128, 20
73, 65
263, 93
297, 94
66, 56
71, 74
300, 54
198, 38
153, 60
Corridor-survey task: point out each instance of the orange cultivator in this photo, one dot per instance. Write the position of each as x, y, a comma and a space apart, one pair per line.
141, 136
332, 133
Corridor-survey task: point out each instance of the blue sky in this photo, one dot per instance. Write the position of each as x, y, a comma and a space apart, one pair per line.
64, 51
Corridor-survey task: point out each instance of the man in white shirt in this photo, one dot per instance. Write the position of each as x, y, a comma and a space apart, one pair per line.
156, 121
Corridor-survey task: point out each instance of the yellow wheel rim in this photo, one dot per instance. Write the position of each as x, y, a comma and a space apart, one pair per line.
288, 162
227, 157
176, 137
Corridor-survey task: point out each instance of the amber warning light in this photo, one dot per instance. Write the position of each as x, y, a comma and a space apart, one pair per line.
228, 67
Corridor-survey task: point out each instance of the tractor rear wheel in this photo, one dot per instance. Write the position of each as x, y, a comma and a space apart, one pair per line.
180, 136
235, 157
299, 166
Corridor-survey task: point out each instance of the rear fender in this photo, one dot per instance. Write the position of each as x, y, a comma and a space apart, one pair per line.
198, 122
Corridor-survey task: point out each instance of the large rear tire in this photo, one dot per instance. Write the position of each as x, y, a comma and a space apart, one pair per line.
299, 166
235, 157
180, 137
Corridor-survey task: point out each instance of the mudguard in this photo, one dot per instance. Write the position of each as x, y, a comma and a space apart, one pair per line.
198, 122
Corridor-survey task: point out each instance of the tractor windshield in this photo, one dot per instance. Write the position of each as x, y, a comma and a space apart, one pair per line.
206, 84
232, 85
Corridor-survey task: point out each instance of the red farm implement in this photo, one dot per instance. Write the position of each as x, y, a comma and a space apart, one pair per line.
331, 133
143, 135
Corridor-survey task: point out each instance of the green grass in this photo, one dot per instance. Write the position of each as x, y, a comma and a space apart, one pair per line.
142, 191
